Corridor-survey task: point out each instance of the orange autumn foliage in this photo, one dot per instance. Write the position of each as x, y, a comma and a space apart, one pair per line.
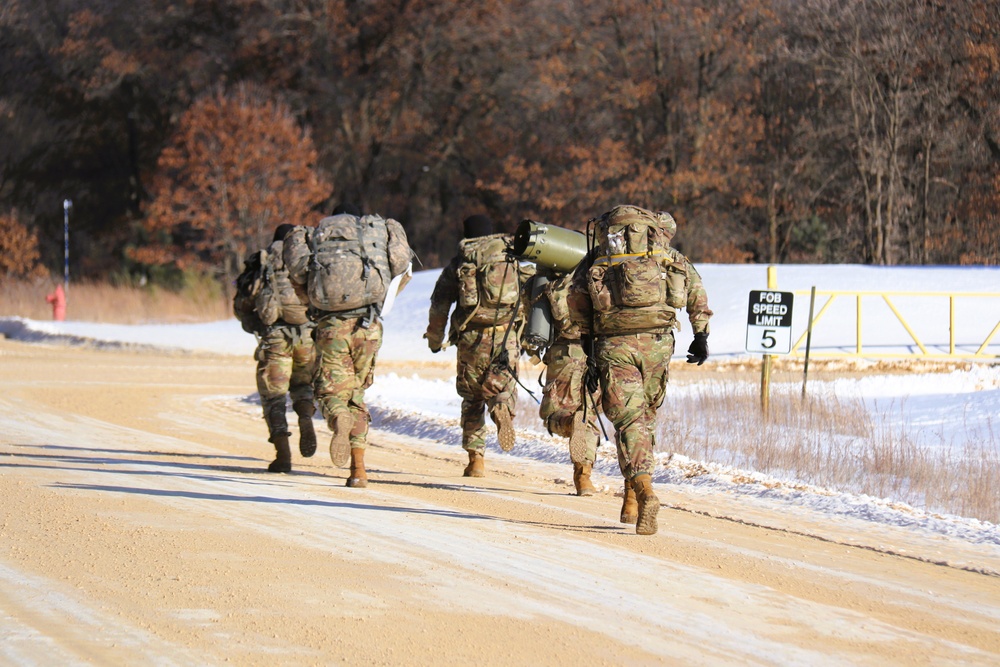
238, 165
19, 257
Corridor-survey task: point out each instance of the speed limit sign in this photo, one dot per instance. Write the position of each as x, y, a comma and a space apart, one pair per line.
769, 322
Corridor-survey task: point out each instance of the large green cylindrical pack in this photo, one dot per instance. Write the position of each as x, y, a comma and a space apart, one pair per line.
547, 245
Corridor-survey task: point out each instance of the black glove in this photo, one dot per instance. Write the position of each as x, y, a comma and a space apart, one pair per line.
433, 343
698, 352
591, 378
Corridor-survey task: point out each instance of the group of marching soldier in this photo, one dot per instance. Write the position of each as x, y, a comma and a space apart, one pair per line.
599, 309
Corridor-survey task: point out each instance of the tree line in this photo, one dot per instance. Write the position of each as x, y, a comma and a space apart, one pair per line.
805, 131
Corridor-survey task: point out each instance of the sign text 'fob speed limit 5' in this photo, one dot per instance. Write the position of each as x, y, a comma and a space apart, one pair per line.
769, 322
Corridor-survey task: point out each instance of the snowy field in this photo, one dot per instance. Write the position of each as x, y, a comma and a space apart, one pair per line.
944, 409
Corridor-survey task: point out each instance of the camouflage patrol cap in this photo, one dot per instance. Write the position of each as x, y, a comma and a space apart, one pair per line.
667, 222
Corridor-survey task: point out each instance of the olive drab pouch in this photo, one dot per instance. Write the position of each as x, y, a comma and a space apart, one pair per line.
498, 283
468, 287
400, 253
639, 282
296, 254
267, 301
635, 283
249, 285
677, 285
599, 287
280, 298
495, 381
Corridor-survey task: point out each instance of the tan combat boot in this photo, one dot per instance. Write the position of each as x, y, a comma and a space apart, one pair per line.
581, 479
649, 505
630, 506
307, 434
340, 443
358, 478
283, 455
477, 464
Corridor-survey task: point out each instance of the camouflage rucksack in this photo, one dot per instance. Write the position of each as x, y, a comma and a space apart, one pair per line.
488, 280
255, 303
636, 280
278, 298
352, 261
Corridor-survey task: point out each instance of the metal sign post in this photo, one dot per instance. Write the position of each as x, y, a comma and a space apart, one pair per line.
67, 205
809, 336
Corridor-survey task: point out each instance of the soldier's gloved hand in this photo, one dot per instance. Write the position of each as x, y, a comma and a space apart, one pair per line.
433, 343
591, 378
698, 352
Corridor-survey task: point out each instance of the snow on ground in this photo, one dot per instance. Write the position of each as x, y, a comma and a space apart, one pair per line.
944, 409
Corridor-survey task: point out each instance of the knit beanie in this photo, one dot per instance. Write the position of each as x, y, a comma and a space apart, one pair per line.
477, 225
281, 231
348, 208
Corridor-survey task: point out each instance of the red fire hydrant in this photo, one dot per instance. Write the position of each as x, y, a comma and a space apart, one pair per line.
58, 300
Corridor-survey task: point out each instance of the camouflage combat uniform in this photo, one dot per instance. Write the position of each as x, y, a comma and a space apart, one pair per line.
347, 342
286, 356
286, 359
347, 348
634, 369
565, 365
478, 343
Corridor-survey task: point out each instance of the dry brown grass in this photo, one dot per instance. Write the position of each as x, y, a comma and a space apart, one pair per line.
104, 302
835, 444
824, 440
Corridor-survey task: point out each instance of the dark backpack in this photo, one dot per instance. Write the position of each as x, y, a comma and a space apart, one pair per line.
255, 303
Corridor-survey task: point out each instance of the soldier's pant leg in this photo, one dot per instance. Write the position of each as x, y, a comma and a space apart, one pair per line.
633, 378
659, 349
479, 388
300, 385
473, 424
563, 395
471, 366
504, 393
274, 372
346, 352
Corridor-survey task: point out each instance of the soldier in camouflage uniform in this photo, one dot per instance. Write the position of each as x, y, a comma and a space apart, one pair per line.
347, 344
563, 409
487, 354
633, 369
286, 360
347, 349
